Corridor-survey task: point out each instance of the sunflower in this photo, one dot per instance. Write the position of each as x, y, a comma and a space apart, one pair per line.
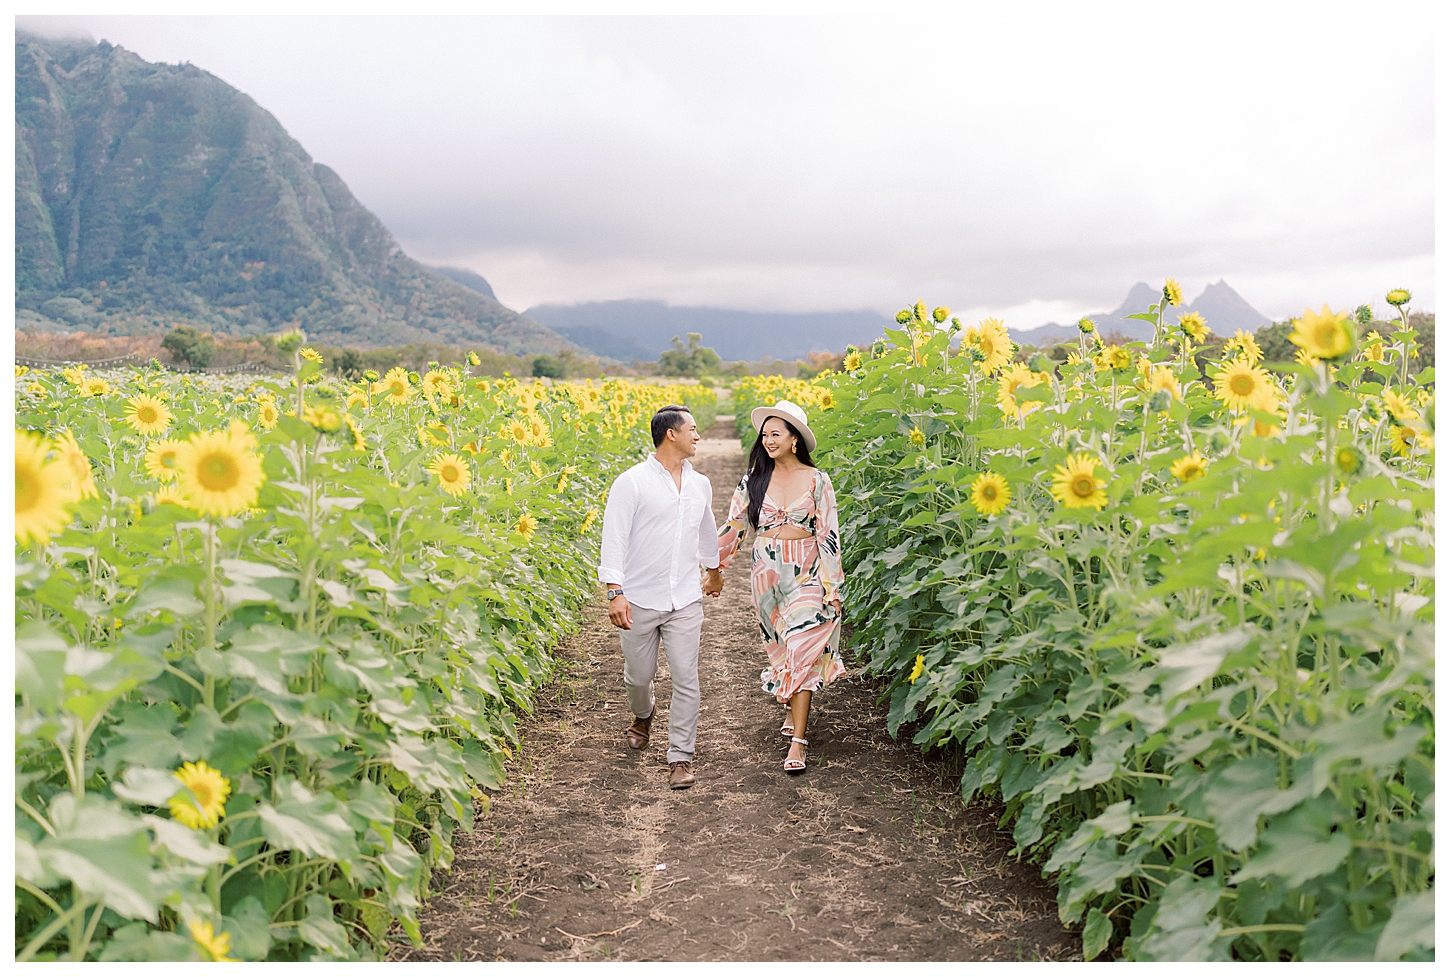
1324, 335
1405, 440
539, 432
1076, 484
990, 493
852, 361
436, 383
215, 945
1400, 406
534, 467
1241, 385
323, 419
1193, 326
826, 400
41, 490
1113, 357
563, 483
359, 443
208, 790
217, 471
160, 459
395, 384
82, 485
1163, 379
1189, 467
147, 415
1348, 459
917, 437
506, 456
267, 413
473, 359
1086, 326
1172, 294
990, 339
508, 486
517, 430
453, 474
355, 397
1074, 358
589, 518
170, 494
94, 387
1245, 344
918, 667
310, 355
526, 526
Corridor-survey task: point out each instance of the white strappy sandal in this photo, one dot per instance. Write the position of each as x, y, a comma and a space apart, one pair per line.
787, 728
796, 766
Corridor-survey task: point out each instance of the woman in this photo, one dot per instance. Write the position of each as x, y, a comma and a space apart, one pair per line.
796, 564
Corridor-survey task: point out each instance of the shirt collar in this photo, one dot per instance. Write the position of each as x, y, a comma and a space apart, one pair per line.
655, 463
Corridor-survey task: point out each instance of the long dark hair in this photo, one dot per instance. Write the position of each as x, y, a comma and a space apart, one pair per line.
762, 466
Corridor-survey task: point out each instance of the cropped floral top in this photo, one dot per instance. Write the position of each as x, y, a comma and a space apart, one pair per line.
814, 511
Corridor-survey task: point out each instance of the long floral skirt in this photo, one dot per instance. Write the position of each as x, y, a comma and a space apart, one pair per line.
802, 634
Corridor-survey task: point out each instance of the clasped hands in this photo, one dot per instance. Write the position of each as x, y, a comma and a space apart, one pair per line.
714, 582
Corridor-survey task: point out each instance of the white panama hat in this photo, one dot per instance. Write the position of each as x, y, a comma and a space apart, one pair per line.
785, 410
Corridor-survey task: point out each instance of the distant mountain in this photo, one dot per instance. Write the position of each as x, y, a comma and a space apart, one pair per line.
466, 278
1221, 307
628, 329
148, 194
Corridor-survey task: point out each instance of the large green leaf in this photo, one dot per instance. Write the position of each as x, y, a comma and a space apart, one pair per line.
104, 852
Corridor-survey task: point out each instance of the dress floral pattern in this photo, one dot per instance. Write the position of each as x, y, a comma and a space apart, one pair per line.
794, 582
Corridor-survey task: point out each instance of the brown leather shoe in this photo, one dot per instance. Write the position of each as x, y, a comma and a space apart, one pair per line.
680, 775
637, 736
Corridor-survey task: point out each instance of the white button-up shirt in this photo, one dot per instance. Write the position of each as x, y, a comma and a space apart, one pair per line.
656, 537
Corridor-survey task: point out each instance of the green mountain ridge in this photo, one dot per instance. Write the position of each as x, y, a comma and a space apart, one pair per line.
152, 194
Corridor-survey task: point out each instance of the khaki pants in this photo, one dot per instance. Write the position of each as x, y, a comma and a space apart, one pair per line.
679, 631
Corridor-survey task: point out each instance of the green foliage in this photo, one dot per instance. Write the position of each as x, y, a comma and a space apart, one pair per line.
189, 347
351, 654
687, 361
1207, 708
548, 366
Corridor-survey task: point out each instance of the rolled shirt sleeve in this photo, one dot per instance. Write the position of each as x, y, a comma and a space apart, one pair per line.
709, 548
618, 521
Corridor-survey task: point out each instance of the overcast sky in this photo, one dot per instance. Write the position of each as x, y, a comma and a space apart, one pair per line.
1030, 163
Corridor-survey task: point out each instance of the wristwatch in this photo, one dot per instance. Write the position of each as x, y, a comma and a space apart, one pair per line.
613, 592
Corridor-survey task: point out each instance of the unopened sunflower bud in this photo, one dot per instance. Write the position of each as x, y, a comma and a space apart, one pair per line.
1086, 326
290, 341
1398, 297
1160, 401
903, 317
1363, 315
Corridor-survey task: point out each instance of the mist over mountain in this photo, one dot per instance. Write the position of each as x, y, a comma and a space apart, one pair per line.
629, 329
150, 194
1222, 308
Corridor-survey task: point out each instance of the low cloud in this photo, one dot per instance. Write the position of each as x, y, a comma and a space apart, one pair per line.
1033, 163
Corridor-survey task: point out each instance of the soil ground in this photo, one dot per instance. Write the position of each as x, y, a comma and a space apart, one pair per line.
869, 855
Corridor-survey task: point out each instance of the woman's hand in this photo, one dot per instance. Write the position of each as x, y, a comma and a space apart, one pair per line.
837, 605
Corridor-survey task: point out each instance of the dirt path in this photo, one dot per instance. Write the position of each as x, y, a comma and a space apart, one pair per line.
869, 855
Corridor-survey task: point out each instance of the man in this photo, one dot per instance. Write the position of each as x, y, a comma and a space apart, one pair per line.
658, 530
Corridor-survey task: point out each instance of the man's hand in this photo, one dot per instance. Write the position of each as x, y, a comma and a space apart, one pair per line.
714, 582
619, 613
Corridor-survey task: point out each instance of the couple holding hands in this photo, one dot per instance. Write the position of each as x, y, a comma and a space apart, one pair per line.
659, 529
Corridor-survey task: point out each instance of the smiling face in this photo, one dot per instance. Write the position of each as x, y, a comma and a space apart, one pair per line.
776, 438
686, 437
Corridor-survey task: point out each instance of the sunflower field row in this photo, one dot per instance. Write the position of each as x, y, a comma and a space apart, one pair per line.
1178, 623
273, 637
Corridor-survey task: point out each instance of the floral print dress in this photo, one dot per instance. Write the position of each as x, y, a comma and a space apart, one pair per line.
794, 582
